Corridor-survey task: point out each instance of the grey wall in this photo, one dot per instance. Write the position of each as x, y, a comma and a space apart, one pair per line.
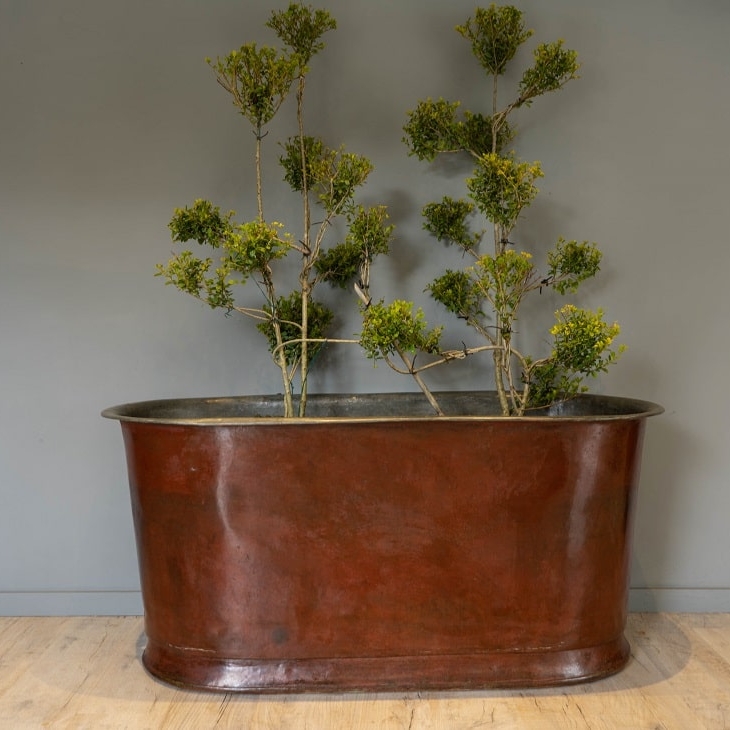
109, 118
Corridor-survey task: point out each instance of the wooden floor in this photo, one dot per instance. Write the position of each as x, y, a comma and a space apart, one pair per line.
78, 673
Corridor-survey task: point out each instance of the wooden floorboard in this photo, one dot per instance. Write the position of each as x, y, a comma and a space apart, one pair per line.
79, 673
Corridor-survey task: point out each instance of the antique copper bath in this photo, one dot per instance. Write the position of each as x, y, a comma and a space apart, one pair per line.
360, 550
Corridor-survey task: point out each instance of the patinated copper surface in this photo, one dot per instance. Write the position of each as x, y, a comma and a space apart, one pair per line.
402, 554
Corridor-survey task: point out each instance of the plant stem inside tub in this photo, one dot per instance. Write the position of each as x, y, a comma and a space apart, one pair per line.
487, 293
296, 325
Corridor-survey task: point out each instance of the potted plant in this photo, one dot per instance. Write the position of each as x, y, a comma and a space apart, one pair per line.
339, 542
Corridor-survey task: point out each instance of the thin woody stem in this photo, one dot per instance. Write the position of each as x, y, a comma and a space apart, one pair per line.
259, 191
421, 384
314, 340
307, 259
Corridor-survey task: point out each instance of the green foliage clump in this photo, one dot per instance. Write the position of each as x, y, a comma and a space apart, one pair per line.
582, 346
457, 292
496, 34
246, 249
332, 175
301, 28
434, 127
503, 280
554, 66
447, 220
368, 236
501, 187
583, 340
395, 327
202, 222
287, 315
570, 263
258, 79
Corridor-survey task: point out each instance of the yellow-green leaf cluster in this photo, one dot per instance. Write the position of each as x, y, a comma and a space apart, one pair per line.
583, 340
245, 249
395, 327
495, 34
258, 80
504, 279
332, 175
300, 27
502, 186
